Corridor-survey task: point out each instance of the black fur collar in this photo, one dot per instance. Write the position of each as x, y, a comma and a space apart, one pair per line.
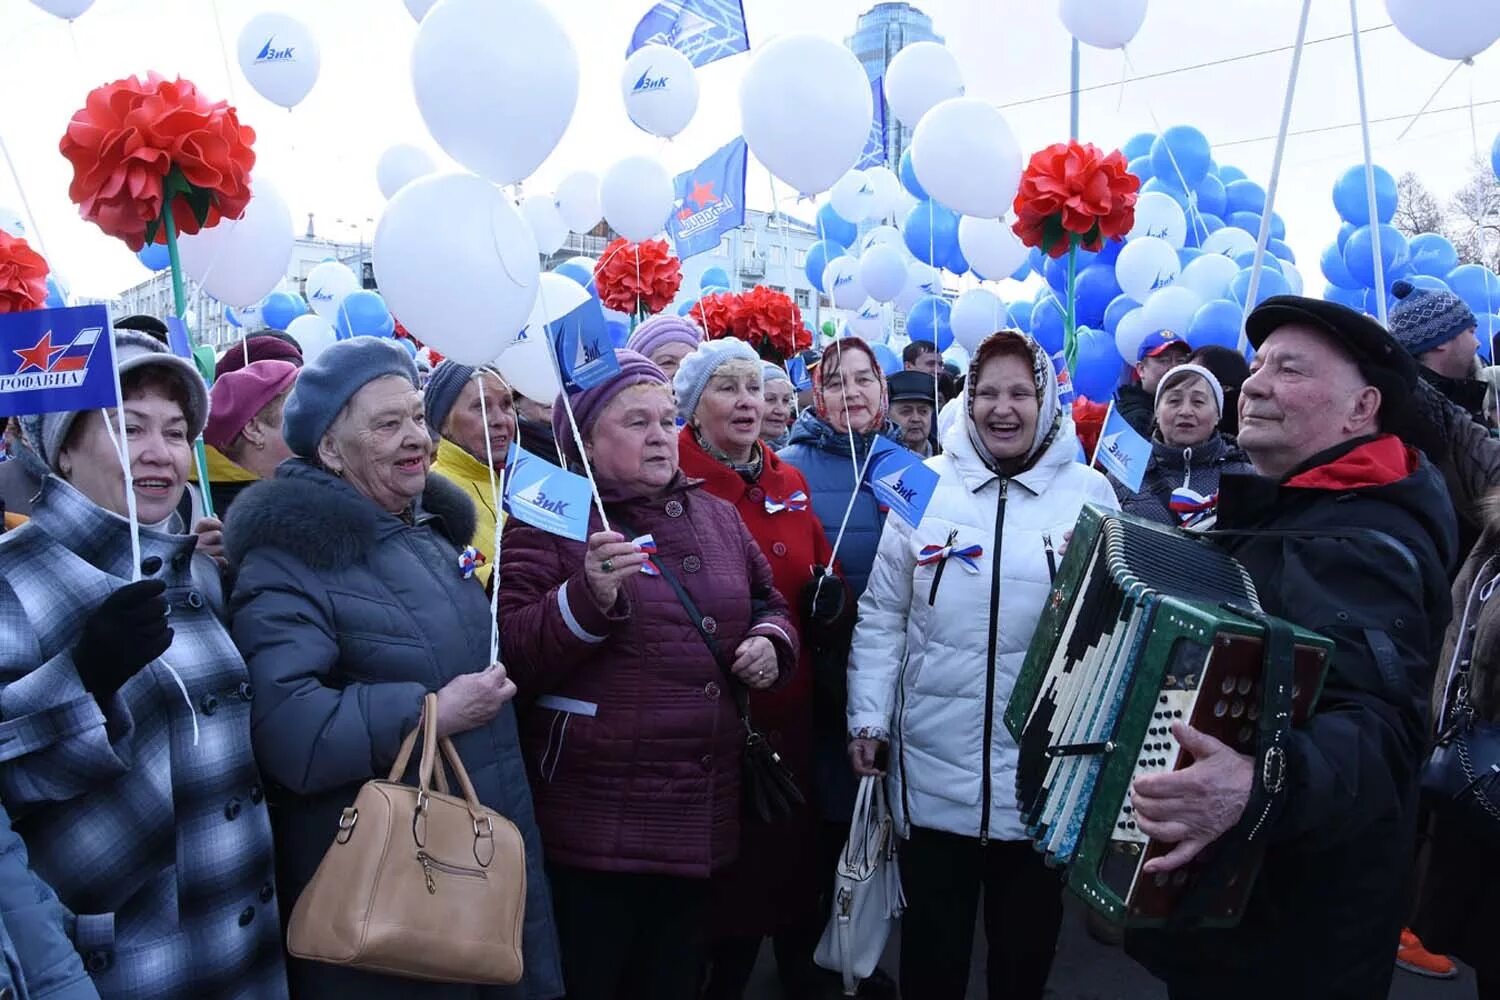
326, 523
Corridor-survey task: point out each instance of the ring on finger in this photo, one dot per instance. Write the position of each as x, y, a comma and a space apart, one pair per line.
608, 565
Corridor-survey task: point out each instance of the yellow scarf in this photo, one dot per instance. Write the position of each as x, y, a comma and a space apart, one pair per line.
473, 477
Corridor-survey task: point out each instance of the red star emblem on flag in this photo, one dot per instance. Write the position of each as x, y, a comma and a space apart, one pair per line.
39, 356
702, 194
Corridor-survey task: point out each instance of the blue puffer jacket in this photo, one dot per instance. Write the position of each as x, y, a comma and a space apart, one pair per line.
37, 960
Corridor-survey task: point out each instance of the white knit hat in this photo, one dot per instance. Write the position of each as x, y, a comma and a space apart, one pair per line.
697, 368
1175, 375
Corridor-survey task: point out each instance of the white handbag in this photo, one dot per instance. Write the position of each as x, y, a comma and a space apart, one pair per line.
867, 897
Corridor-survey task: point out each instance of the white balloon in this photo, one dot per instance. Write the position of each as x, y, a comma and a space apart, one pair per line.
578, 200
853, 196
991, 247
1231, 241
921, 279
418, 8
1158, 214
496, 83
1131, 331
1452, 29
456, 264
1209, 275
841, 279
921, 76
1146, 264
279, 57
660, 89
400, 165
328, 284
883, 236
1293, 277
530, 370
976, 314
1104, 24
249, 316
65, 9
882, 271
967, 158
547, 226
805, 110
11, 222
868, 322
1172, 309
313, 334
556, 296
239, 261
636, 194
888, 192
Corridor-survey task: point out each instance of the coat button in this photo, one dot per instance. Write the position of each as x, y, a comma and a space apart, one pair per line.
98, 961
247, 691
232, 809
691, 564
710, 624
706, 762
247, 915
711, 690
194, 600
209, 704
267, 892
756, 494
256, 794
778, 548
674, 508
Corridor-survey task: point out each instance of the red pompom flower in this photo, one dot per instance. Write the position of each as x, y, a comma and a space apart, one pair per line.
714, 314
135, 146
1073, 194
23, 275
768, 321
637, 278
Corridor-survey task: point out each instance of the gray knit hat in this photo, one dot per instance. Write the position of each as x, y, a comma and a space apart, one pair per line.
443, 388
1426, 318
770, 372
331, 380
46, 433
697, 368
659, 331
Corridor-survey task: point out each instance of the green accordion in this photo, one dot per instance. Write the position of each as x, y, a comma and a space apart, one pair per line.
1147, 626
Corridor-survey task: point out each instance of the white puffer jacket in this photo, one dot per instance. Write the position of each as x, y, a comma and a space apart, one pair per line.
922, 658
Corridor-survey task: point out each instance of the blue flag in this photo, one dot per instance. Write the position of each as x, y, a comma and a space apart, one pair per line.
585, 352
874, 153
710, 201
546, 497
56, 359
1122, 451
900, 480
796, 370
702, 30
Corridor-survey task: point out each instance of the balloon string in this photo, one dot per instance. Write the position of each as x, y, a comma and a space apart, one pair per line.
15, 177
223, 52
1423, 110
1194, 218
497, 493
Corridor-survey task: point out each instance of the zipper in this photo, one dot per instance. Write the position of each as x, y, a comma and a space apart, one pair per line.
1051, 557
899, 734
937, 574
989, 680
431, 864
1187, 468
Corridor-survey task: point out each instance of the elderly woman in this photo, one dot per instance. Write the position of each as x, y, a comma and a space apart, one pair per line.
470, 432
350, 605
1188, 453
245, 421
630, 726
772, 890
125, 759
781, 404
665, 341
944, 639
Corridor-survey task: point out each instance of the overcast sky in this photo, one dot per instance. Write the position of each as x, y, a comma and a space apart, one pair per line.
322, 154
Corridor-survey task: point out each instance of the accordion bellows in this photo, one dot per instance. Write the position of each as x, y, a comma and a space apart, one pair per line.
1146, 626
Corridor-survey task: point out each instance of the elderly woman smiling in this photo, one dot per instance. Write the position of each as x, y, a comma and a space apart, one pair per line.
352, 602
629, 721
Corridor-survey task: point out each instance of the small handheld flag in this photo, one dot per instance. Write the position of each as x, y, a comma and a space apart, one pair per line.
900, 480
702, 30
1122, 451
546, 497
53, 360
585, 354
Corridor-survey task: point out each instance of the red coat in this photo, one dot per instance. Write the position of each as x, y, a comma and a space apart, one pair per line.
775, 882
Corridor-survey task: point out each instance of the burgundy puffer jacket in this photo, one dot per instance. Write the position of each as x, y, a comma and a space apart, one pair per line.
632, 742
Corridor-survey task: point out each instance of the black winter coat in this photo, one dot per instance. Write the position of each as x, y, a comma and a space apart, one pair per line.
1137, 406
1329, 902
1198, 468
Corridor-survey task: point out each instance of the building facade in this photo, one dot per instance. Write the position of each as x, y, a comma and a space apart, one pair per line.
880, 33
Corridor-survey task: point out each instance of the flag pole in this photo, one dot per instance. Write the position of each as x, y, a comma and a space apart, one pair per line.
583, 456
1108, 412
497, 493
179, 302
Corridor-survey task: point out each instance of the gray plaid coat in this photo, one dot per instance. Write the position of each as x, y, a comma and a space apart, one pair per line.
160, 846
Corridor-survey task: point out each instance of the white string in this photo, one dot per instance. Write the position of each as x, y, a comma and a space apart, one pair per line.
1423, 110
497, 493
223, 51
849, 508
1364, 131
1194, 218
35, 230
583, 456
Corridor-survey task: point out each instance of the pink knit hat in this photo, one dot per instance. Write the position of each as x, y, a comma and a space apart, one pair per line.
239, 395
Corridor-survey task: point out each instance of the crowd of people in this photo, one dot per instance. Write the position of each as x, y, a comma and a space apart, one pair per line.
181, 729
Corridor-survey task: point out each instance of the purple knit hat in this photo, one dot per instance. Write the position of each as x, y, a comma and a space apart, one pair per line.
659, 331
589, 403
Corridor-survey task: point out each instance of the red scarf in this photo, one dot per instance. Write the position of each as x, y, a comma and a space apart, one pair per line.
1380, 462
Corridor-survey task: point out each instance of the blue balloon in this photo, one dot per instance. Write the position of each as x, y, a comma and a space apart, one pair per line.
1244, 196
1048, 323
818, 256
619, 331
908, 175
280, 308
714, 277
1211, 196
1432, 254
1097, 369
1038, 261
1495, 156
1281, 250
1486, 327
1345, 231
229, 314
929, 320
1476, 284
956, 262
362, 313
1020, 313
1359, 252
584, 276
1428, 282
687, 307
1182, 154
890, 361
1216, 323
1056, 273
1141, 167
1229, 175
408, 343
1138, 145
1248, 221
1200, 227
1278, 226
1372, 303
1352, 200
1269, 262
154, 256
1271, 283
1354, 298
1334, 270
712, 290
1093, 292
833, 226
1113, 312
1188, 254
1022, 271
931, 232
1176, 193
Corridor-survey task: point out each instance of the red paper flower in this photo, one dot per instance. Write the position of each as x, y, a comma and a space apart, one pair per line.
1088, 421
1072, 193
770, 322
130, 135
637, 278
23, 275
714, 314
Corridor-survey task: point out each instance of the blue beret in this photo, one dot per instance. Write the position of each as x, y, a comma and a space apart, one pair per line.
331, 379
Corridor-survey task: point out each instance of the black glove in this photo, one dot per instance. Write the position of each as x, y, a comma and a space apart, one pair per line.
121, 636
822, 599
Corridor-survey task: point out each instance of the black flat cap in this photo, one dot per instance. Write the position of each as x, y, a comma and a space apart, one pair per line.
912, 385
1379, 356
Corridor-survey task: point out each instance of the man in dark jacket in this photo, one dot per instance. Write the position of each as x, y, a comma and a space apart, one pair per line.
1346, 531
1158, 354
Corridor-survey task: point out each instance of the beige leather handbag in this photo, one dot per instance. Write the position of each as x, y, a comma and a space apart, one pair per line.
418, 883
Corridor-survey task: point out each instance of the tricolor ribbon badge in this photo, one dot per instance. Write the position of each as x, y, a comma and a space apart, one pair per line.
469, 560
796, 502
647, 544
937, 553
1190, 506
